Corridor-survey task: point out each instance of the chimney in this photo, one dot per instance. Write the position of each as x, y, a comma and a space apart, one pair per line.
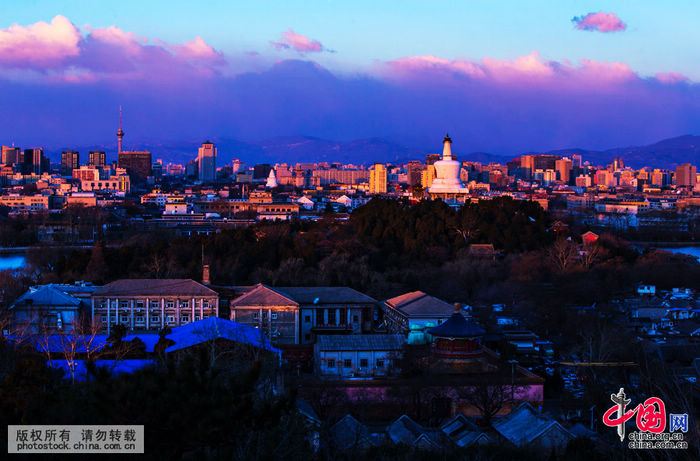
205, 275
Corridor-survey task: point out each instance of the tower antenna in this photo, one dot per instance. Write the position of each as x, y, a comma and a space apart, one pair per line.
120, 132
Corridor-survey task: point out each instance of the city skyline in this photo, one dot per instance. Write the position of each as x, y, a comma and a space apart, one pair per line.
605, 82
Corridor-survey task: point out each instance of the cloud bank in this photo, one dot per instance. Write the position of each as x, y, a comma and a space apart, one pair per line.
600, 22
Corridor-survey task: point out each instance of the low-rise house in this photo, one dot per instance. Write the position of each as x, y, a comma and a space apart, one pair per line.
357, 356
463, 432
45, 309
415, 309
525, 427
152, 304
296, 315
408, 432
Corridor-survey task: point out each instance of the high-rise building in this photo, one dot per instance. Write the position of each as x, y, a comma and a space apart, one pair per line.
10, 155
206, 159
98, 159
70, 160
432, 158
414, 172
428, 175
137, 164
686, 175
378, 179
35, 162
577, 160
564, 167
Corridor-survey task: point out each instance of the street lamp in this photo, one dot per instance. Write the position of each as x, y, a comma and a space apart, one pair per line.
512, 382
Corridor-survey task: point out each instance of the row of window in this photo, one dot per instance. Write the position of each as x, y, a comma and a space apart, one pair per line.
364, 363
154, 304
185, 318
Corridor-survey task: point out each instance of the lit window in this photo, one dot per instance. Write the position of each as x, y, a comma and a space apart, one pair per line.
273, 315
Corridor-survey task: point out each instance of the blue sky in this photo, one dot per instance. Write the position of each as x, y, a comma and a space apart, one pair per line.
661, 36
502, 76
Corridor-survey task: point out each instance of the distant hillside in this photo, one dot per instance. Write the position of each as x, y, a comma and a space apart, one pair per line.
300, 149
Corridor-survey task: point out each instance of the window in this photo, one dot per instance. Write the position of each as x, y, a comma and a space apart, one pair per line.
196, 317
347, 363
155, 304
139, 319
124, 304
139, 304
184, 319
255, 316
184, 304
273, 315
205, 303
170, 304
307, 318
170, 319
331, 363
124, 318
380, 363
364, 363
354, 319
104, 319
155, 318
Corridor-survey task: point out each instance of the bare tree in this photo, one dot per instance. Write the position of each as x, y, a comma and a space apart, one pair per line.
562, 254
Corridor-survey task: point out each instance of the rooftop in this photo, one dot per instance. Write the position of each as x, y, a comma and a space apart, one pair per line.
154, 287
418, 303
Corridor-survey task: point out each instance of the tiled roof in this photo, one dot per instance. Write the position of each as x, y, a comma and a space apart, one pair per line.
523, 425
263, 295
417, 303
47, 295
360, 342
326, 295
155, 287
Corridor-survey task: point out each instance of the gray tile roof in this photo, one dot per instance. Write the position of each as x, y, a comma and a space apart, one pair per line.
326, 295
523, 425
360, 342
417, 303
49, 296
154, 287
263, 295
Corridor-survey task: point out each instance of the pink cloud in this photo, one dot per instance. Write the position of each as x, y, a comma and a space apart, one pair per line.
671, 77
62, 53
298, 42
40, 44
600, 21
531, 69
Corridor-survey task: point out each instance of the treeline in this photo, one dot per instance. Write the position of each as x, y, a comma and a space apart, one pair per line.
389, 247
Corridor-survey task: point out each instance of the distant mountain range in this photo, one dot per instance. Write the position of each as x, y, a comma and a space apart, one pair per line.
305, 149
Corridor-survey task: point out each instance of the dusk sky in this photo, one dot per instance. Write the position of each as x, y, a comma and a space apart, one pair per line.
500, 76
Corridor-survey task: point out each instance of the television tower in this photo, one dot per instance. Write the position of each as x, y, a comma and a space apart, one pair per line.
120, 132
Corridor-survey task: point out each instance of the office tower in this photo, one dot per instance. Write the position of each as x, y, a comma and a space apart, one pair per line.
527, 166
686, 175
378, 179
577, 160
70, 160
206, 160
98, 159
137, 164
431, 158
564, 167
414, 172
427, 176
10, 155
34, 161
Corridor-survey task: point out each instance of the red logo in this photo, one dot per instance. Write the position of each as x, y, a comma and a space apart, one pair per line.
651, 415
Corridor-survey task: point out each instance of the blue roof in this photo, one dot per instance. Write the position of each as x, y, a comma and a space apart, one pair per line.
211, 328
47, 295
456, 327
183, 336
